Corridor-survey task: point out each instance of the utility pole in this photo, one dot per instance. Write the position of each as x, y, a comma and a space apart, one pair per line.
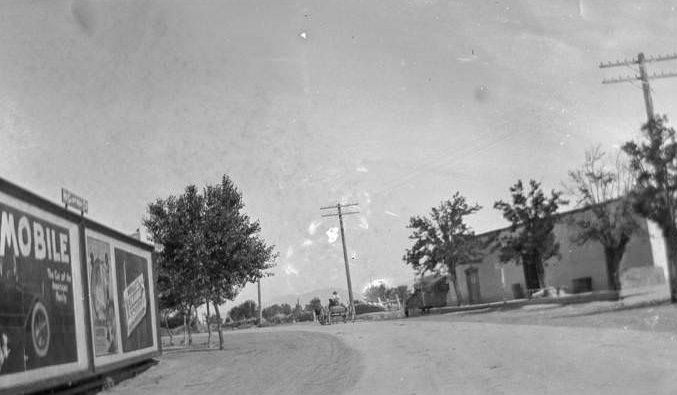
643, 76
340, 215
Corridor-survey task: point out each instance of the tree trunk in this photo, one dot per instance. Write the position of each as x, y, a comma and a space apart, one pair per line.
190, 321
169, 330
454, 281
218, 324
670, 236
209, 329
185, 327
540, 270
612, 259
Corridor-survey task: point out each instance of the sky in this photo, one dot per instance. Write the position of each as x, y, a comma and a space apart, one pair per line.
391, 104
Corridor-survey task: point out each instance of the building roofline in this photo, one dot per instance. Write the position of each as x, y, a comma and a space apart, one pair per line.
558, 215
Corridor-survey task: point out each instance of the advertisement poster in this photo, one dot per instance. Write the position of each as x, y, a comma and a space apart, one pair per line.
135, 303
102, 294
135, 318
37, 318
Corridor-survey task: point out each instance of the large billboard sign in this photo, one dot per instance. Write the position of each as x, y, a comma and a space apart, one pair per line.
122, 304
41, 333
133, 292
77, 298
102, 297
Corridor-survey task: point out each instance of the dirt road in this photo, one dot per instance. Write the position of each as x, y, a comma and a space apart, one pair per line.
253, 362
426, 355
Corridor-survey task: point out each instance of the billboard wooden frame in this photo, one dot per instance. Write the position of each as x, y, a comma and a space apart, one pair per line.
80, 226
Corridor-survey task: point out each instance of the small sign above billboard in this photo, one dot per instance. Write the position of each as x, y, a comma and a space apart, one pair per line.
74, 201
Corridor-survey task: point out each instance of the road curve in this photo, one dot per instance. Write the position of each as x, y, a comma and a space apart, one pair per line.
425, 355
254, 362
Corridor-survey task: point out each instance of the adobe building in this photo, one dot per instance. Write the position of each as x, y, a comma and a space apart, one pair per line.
580, 268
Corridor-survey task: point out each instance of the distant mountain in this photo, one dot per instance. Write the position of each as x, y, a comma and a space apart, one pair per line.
305, 298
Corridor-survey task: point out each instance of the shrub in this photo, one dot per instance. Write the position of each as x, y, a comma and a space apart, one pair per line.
364, 308
305, 316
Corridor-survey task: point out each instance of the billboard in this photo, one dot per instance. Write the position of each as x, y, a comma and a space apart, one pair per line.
122, 302
77, 298
133, 293
102, 297
41, 327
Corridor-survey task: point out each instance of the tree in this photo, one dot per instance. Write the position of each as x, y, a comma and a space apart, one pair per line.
443, 241
243, 311
375, 293
172, 225
297, 311
210, 248
233, 253
402, 292
605, 194
168, 300
654, 161
314, 305
270, 312
531, 241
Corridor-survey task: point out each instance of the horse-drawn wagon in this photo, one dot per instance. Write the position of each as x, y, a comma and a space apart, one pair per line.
333, 312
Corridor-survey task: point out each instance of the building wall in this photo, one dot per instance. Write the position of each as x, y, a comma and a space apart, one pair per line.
492, 287
658, 247
588, 260
576, 261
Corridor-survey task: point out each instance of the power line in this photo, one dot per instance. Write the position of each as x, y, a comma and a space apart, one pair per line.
453, 159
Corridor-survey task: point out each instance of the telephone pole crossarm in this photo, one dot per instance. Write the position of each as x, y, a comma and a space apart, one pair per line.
342, 213
627, 62
339, 205
643, 76
663, 75
621, 79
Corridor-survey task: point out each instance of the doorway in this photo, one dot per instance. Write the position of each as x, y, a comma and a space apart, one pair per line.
473, 280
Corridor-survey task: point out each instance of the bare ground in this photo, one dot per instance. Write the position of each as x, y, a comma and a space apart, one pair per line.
536, 350
253, 362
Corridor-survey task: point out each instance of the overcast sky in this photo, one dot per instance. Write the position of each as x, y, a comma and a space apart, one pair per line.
390, 103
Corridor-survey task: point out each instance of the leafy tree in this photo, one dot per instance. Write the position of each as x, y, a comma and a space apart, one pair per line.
314, 305
297, 311
654, 161
531, 242
172, 225
609, 219
443, 241
244, 311
275, 310
285, 308
210, 248
375, 293
233, 252
169, 301
402, 292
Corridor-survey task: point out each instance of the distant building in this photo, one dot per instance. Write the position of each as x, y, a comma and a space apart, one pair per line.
579, 268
